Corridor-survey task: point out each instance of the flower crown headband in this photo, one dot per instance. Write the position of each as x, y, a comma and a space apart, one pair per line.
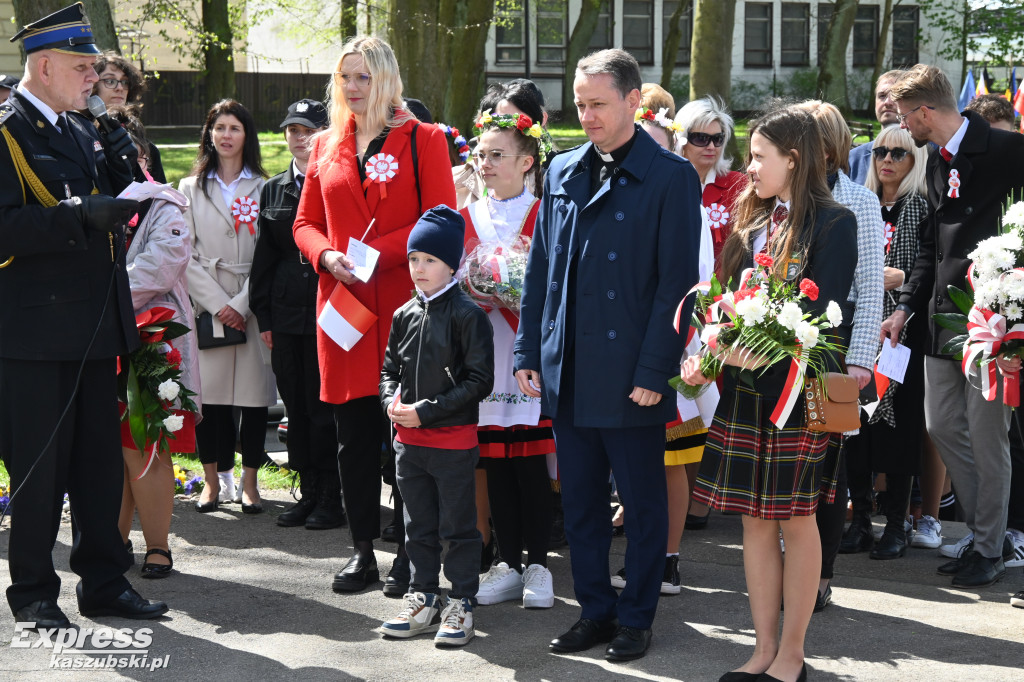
460, 141
521, 122
660, 118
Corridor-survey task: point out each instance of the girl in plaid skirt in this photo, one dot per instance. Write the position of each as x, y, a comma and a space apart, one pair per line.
770, 475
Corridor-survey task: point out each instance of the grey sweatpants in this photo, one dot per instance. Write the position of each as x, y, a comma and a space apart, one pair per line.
439, 490
972, 436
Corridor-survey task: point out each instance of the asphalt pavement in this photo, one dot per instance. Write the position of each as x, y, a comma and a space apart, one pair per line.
251, 600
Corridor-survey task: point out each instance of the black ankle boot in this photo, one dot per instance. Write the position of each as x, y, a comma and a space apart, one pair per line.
296, 514
894, 541
328, 512
892, 544
858, 537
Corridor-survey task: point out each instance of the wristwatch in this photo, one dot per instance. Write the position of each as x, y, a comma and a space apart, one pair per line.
905, 308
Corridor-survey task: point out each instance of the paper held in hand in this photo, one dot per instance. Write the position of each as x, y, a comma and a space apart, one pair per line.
364, 257
344, 318
893, 361
140, 191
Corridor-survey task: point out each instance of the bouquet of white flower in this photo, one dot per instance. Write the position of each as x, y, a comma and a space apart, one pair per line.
985, 328
758, 325
493, 273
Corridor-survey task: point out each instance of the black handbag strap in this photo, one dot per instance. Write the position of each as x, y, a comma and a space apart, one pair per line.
416, 169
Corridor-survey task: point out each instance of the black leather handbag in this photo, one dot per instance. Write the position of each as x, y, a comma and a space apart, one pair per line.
206, 339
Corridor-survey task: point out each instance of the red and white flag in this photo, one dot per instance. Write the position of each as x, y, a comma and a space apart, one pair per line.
344, 318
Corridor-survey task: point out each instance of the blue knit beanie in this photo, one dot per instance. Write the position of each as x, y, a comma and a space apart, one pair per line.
439, 232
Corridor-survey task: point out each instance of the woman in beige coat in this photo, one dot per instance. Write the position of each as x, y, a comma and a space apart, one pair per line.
223, 192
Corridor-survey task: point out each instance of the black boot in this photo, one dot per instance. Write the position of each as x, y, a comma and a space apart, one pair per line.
328, 512
894, 541
858, 537
296, 514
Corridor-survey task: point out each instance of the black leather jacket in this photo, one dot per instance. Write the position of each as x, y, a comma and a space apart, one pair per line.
442, 354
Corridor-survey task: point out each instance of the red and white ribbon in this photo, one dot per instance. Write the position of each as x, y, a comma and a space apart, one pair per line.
718, 216
890, 230
987, 331
382, 169
149, 461
245, 210
954, 184
790, 392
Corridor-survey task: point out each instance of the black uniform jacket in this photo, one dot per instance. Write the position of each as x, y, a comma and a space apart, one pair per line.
63, 276
282, 283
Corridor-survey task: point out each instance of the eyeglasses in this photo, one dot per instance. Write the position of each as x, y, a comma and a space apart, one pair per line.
903, 117
143, 160
362, 79
493, 156
112, 83
704, 139
898, 153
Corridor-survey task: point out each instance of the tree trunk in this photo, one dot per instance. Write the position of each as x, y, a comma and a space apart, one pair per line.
964, 33
412, 33
218, 59
101, 17
832, 71
579, 40
347, 24
880, 51
710, 51
27, 11
675, 34
470, 24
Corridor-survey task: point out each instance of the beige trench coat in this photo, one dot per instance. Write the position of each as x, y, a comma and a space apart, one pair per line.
218, 275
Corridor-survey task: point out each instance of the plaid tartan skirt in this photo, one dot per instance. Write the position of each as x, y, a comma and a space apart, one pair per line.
752, 467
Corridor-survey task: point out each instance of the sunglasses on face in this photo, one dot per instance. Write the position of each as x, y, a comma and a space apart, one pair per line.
704, 139
898, 153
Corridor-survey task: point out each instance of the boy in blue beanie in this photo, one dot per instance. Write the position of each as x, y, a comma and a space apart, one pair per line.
438, 366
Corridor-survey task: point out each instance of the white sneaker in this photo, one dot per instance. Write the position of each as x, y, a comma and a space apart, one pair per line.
500, 584
456, 624
1017, 540
929, 533
538, 590
1018, 600
954, 550
422, 614
619, 579
227, 486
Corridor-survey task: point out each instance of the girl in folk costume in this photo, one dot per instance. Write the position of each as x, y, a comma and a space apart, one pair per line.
513, 438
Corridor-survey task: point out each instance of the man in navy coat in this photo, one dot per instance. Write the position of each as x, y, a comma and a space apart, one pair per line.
614, 251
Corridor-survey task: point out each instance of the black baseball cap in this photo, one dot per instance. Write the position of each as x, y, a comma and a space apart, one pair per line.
307, 112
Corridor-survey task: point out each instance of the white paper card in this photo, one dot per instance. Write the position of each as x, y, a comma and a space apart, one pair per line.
140, 191
364, 257
893, 361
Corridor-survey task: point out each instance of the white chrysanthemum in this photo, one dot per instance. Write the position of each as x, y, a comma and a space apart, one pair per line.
1004, 260
834, 314
807, 333
1011, 241
1012, 287
174, 423
986, 293
751, 310
1014, 215
1012, 311
790, 315
167, 390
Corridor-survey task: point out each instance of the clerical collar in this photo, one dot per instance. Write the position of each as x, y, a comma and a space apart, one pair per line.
616, 156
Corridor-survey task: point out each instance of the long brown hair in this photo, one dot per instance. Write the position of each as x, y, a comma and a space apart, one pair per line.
795, 134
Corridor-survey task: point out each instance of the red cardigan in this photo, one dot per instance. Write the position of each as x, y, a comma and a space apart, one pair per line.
333, 208
724, 192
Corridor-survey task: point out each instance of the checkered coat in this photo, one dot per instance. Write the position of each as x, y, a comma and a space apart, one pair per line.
868, 280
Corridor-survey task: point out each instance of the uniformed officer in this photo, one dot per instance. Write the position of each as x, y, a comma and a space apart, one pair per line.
66, 316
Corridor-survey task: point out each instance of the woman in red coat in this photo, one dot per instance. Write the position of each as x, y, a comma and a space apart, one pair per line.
372, 174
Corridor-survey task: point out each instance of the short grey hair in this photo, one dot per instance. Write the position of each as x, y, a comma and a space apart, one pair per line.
699, 114
619, 64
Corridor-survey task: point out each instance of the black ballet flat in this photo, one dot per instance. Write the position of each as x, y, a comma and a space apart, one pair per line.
158, 570
252, 508
208, 507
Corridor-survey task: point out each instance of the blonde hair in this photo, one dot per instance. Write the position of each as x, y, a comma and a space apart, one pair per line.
385, 107
699, 114
655, 98
894, 136
925, 84
835, 134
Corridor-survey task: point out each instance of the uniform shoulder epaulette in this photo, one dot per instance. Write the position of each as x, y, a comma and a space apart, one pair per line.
5, 112
558, 152
82, 118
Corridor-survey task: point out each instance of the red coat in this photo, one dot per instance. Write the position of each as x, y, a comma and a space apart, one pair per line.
334, 208
723, 191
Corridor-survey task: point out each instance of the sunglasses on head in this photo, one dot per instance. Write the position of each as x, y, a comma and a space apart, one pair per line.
704, 139
897, 153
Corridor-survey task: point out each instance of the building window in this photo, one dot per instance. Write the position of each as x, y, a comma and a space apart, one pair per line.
602, 38
509, 37
685, 29
865, 36
757, 40
796, 34
904, 37
638, 30
551, 21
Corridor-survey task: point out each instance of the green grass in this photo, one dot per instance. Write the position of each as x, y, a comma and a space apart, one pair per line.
269, 479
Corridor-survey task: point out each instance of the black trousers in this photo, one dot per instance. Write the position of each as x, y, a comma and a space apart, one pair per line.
83, 459
521, 506
1015, 515
218, 432
832, 517
361, 427
312, 436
